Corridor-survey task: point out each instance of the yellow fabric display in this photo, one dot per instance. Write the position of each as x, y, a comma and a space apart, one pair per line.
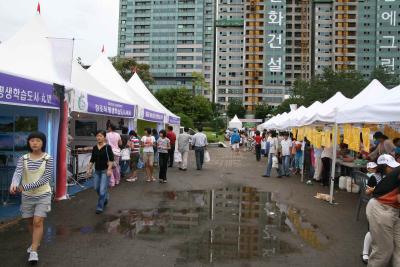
323, 139
355, 139
308, 132
300, 134
347, 134
365, 136
318, 137
390, 132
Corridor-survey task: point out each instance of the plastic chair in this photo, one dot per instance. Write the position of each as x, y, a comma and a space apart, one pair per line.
361, 180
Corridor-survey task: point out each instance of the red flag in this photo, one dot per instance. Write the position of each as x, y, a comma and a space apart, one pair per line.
38, 8
102, 49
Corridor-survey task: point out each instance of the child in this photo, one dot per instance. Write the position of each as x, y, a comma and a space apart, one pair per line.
373, 180
163, 145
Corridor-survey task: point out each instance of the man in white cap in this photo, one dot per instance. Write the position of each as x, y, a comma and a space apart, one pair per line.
383, 213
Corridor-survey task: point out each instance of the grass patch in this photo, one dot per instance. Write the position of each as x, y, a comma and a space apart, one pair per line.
213, 138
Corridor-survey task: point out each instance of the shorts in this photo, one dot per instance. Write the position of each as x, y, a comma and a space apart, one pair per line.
35, 207
148, 158
134, 161
235, 146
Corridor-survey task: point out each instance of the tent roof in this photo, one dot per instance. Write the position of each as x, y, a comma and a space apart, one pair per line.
139, 87
85, 82
293, 120
103, 71
29, 53
235, 119
346, 113
385, 108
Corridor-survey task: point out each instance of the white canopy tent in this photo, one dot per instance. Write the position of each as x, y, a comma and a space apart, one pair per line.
277, 124
104, 72
293, 121
138, 86
89, 96
347, 112
310, 112
235, 123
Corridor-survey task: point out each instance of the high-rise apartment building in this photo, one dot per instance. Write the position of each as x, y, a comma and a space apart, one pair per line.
378, 36
175, 37
254, 50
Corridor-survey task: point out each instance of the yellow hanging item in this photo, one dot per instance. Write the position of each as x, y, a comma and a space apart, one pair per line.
355, 139
365, 136
347, 134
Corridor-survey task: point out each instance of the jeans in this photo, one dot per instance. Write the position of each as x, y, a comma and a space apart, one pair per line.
163, 165
124, 167
285, 165
199, 152
258, 152
298, 159
171, 155
101, 187
269, 164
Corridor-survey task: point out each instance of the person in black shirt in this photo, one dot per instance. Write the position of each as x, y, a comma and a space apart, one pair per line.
383, 214
102, 158
125, 152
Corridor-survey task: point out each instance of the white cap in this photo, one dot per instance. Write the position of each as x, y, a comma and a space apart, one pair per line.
371, 165
388, 160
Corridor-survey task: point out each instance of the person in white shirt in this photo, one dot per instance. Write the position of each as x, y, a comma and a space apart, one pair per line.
199, 143
148, 142
286, 145
273, 150
183, 148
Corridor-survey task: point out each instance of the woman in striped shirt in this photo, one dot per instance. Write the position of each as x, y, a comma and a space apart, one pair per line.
32, 178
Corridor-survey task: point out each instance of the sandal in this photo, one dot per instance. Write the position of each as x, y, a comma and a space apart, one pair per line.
148, 180
153, 179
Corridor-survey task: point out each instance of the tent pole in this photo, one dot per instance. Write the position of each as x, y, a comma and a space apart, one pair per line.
334, 144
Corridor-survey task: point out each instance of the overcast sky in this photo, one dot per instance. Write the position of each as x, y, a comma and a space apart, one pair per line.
91, 22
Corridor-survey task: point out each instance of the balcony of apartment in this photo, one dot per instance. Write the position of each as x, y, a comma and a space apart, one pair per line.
251, 81
251, 58
256, 17
253, 91
253, 65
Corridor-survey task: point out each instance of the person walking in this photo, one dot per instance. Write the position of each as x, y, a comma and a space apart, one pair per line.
102, 159
172, 138
273, 150
163, 145
156, 136
286, 145
32, 178
235, 141
383, 213
257, 139
115, 141
125, 152
134, 144
199, 143
183, 148
148, 142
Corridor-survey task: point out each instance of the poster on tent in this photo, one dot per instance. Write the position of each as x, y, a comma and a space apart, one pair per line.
20, 91
92, 104
150, 115
174, 120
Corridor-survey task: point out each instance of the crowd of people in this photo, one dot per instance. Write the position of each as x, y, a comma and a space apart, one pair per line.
115, 156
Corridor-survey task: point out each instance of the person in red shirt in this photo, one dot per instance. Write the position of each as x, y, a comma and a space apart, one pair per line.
172, 138
258, 139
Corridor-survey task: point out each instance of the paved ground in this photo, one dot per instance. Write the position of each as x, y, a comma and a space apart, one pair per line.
224, 215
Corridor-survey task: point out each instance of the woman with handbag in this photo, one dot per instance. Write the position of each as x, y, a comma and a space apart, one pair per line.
102, 159
114, 140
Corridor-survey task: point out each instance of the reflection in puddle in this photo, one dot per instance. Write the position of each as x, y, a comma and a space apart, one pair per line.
231, 223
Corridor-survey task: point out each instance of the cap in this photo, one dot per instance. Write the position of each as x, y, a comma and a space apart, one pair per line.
372, 165
388, 160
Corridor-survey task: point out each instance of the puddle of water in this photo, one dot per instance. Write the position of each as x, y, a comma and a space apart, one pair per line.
235, 222
224, 224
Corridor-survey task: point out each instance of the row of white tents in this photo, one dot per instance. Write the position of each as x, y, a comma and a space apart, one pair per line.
33, 55
375, 104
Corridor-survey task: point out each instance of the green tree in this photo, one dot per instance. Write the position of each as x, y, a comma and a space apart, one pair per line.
235, 107
199, 83
125, 66
186, 121
262, 110
389, 80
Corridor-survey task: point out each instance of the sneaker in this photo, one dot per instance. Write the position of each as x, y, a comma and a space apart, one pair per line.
132, 179
33, 257
99, 211
164, 181
29, 250
365, 258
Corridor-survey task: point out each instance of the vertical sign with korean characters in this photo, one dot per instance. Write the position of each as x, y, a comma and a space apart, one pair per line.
275, 31
18, 90
387, 37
